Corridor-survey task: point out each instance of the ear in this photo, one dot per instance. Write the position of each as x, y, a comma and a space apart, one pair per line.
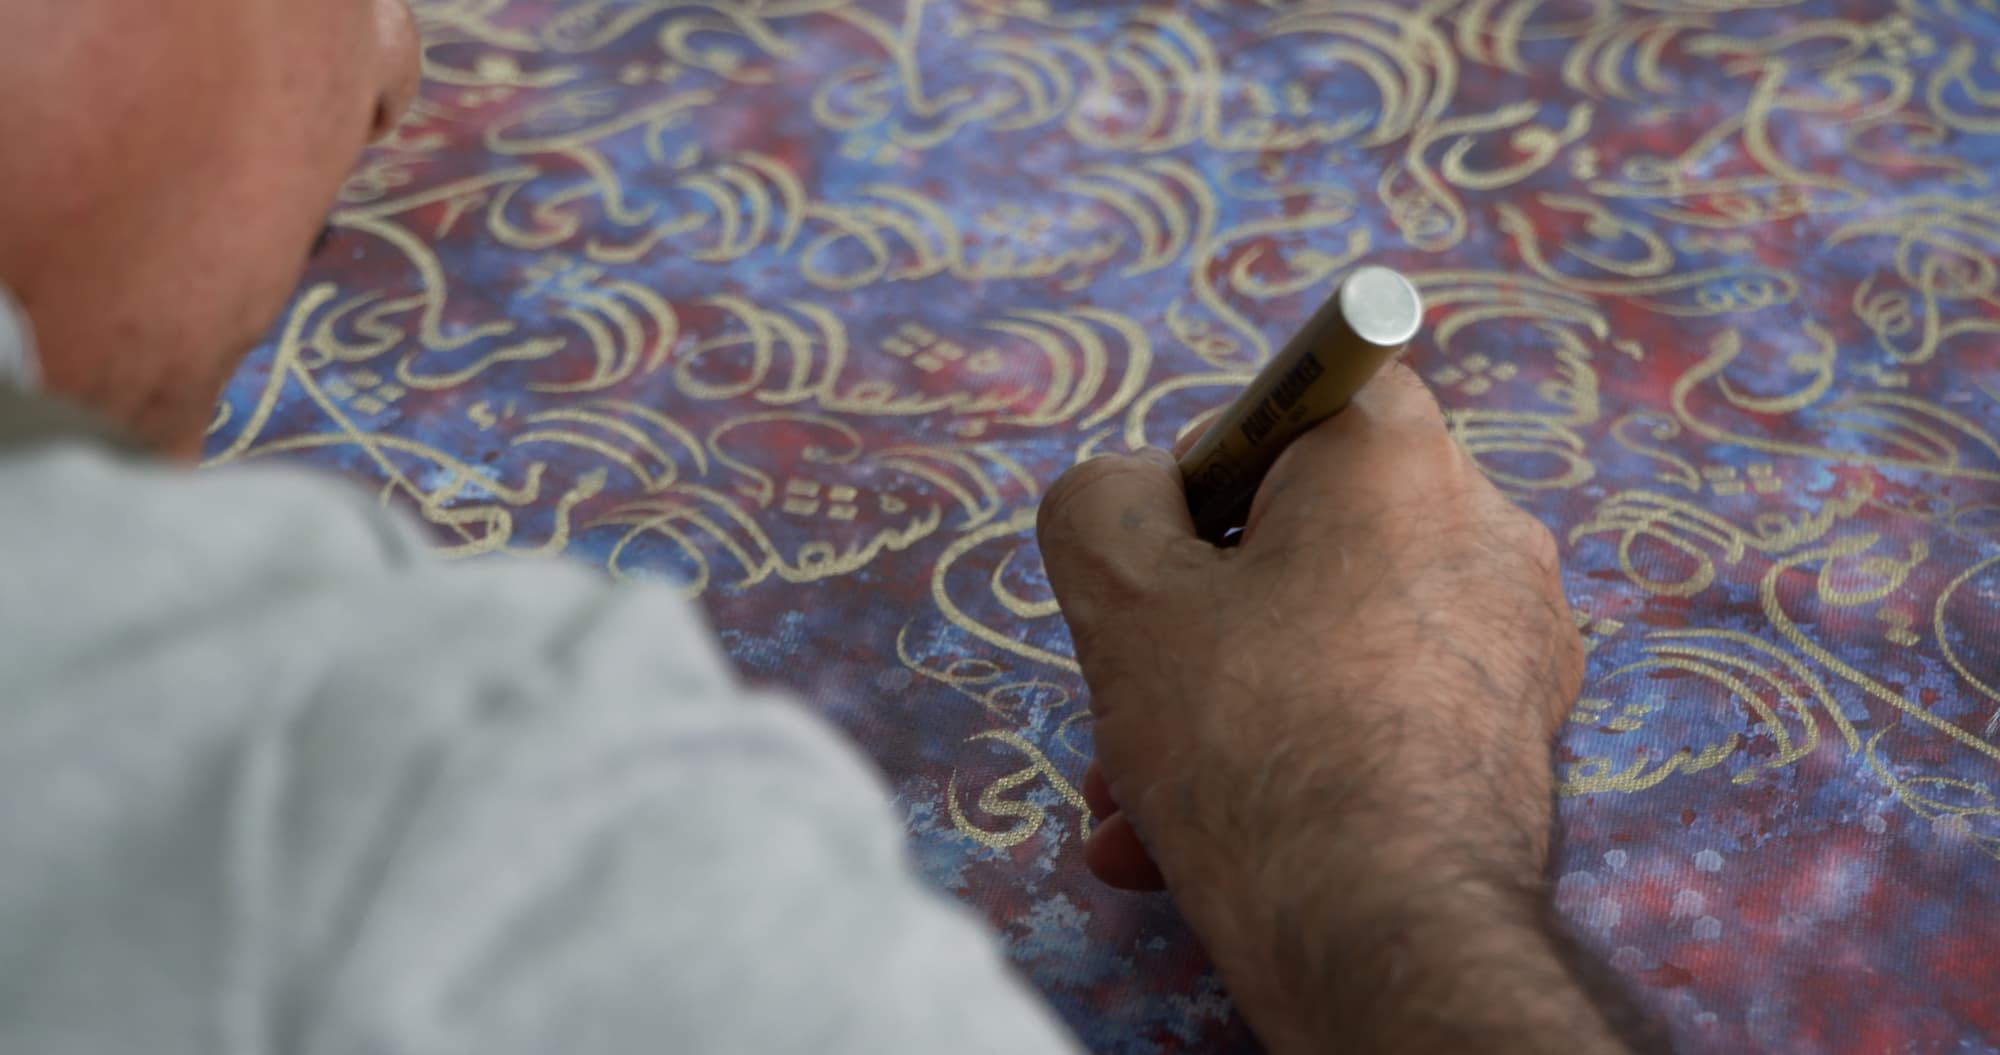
19, 366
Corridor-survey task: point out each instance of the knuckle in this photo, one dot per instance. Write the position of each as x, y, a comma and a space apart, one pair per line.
1086, 556
1401, 375
1573, 662
1540, 545
1568, 666
1096, 656
1519, 529
1413, 394
1067, 490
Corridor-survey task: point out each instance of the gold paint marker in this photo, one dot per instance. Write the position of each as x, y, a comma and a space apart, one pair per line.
1368, 321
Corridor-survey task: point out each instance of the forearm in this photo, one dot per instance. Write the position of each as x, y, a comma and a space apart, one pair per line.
1371, 957
1483, 973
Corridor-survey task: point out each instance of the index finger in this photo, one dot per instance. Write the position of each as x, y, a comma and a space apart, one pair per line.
1105, 526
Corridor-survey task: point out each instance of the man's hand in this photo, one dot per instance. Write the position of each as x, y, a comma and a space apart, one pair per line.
1334, 738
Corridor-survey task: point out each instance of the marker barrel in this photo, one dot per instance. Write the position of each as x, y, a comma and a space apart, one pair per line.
1367, 321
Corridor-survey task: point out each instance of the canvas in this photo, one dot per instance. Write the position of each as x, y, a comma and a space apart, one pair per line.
798, 306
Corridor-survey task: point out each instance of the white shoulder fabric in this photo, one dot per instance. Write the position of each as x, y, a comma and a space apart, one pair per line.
19, 368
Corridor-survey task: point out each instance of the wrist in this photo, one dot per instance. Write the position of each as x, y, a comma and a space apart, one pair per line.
1386, 777
1441, 963
1362, 929
1344, 830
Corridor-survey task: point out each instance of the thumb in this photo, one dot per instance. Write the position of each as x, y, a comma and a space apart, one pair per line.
1106, 527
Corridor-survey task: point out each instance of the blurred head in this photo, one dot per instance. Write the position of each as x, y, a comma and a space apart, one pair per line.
165, 167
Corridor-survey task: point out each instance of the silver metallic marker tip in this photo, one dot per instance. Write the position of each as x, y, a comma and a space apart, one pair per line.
1381, 306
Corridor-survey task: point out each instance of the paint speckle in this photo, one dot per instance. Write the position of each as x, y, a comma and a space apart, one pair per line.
1689, 903
1951, 828
1707, 928
1573, 884
1708, 861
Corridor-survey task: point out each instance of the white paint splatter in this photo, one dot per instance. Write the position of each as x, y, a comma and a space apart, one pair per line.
1951, 828
1573, 884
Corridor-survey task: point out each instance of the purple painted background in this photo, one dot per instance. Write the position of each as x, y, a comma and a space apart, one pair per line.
797, 306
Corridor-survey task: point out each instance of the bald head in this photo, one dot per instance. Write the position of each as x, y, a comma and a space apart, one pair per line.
164, 168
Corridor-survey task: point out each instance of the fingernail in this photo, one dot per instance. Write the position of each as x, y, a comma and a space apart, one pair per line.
1157, 456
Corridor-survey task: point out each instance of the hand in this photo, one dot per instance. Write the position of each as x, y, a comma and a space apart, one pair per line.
1338, 730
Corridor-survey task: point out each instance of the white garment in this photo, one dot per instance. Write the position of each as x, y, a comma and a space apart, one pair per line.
274, 781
